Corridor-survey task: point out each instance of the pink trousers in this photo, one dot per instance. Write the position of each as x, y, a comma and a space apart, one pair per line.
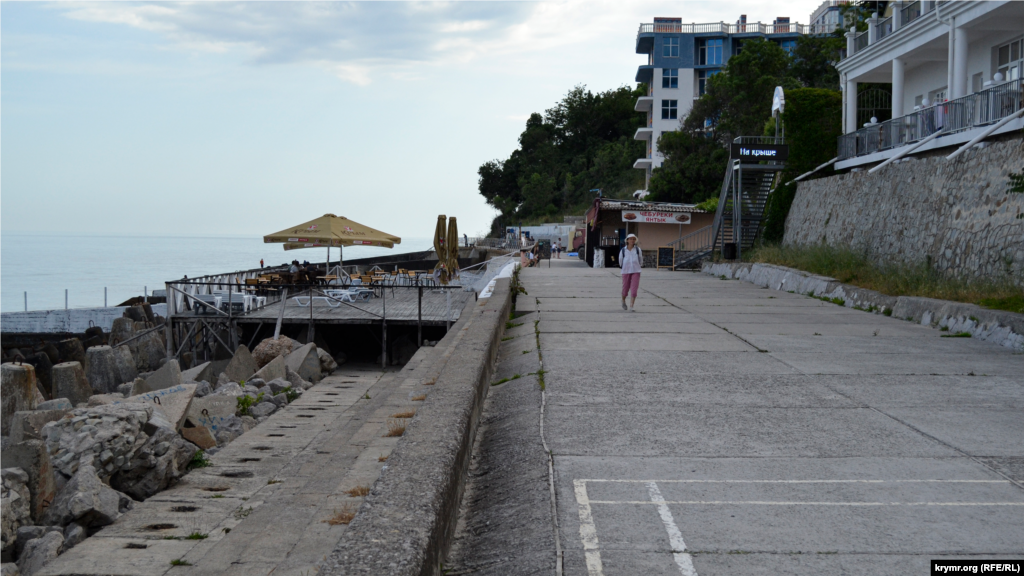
630, 283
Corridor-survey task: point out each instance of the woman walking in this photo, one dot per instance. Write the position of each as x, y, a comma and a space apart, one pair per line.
631, 261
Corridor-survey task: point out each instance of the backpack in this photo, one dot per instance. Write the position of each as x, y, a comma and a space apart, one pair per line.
624, 250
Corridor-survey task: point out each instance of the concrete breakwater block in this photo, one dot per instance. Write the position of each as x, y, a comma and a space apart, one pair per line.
28, 425
212, 412
200, 436
71, 350
32, 457
18, 391
242, 365
199, 373
174, 402
103, 373
305, 362
167, 376
69, 382
274, 369
125, 363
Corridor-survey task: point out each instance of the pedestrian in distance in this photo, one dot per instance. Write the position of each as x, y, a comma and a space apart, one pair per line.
631, 260
557, 249
261, 262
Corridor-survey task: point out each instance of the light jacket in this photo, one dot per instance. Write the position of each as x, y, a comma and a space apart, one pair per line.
631, 261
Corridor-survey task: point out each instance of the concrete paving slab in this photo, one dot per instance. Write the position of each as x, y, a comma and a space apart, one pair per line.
628, 326
836, 362
594, 363
929, 342
613, 342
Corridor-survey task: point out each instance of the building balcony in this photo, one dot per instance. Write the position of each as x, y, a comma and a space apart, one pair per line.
643, 163
645, 73
957, 121
644, 134
644, 104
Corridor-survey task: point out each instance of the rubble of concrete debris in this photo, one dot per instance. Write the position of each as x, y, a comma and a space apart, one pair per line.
90, 427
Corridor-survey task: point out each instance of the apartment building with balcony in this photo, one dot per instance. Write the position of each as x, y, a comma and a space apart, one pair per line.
955, 73
680, 60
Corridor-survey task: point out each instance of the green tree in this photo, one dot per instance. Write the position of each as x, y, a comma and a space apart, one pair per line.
584, 141
692, 170
812, 61
813, 121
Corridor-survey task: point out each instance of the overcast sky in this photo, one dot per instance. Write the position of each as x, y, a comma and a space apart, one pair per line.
244, 118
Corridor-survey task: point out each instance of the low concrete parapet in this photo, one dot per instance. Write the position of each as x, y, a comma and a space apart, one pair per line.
405, 525
1003, 328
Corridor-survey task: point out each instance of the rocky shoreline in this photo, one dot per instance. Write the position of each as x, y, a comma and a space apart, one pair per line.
92, 427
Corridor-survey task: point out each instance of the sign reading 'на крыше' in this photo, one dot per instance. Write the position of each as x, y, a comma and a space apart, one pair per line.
760, 151
651, 217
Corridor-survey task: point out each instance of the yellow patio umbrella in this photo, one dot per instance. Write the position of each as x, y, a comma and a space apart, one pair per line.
328, 231
440, 249
452, 263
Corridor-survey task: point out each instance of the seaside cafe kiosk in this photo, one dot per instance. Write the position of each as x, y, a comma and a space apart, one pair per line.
656, 224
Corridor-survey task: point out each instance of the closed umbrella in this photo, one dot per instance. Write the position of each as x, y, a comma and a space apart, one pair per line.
440, 248
452, 262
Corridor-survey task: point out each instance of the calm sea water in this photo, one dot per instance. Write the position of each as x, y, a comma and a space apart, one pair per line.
46, 265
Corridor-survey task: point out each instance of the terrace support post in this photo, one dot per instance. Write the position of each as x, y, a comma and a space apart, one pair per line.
231, 323
959, 86
419, 316
448, 311
851, 106
168, 322
899, 67
280, 313
383, 327
309, 332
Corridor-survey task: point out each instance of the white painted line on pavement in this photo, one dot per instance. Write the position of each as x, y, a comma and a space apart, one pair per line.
794, 481
675, 537
772, 503
588, 531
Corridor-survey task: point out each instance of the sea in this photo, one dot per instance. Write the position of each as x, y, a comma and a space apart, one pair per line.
40, 267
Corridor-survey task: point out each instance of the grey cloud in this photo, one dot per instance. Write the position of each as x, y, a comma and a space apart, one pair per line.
340, 33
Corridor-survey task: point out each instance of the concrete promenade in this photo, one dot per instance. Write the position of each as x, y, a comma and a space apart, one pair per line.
723, 428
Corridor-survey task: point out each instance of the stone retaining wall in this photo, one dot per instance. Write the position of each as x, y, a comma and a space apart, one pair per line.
406, 523
1004, 328
957, 212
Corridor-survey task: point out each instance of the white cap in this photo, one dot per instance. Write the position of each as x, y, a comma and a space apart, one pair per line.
630, 236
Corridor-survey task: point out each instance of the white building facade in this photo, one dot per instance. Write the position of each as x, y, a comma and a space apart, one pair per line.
680, 59
955, 70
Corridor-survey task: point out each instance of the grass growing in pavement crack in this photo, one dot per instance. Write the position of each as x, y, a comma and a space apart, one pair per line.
503, 380
957, 335
269, 482
406, 414
395, 428
419, 398
540, 355
343, 516
180, 562
382, 458
507, 338
243, 512
199, 460
358, 491
197, 536
510, 325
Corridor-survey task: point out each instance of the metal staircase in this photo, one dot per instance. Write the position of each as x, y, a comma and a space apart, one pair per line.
741, 204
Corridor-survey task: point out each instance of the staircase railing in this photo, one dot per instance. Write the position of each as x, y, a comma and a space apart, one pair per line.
694, 246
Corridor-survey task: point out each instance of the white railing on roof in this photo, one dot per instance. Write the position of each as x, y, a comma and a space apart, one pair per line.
739, 28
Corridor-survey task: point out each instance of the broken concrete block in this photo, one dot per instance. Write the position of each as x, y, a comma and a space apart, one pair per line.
166, 377
202, 372
103, 373
16, 508
230, 429
108, 437
327, 363
213, 412
305, 362
126, 388
32, 457
39, 551
18, 391
270, 348
103, 399
74, 534
203, 389
55, 404
173, 402
160, 462
87, 500
262, 409
71, 350
125, 364
274, 369
296, 381
242, 365
29, 425
200, 436
228, 389
69, 382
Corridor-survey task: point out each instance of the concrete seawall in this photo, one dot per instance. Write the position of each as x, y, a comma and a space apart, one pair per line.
1004, 328
406, 524
71, 321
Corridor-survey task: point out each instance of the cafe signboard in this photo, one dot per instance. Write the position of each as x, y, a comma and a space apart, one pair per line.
652, 217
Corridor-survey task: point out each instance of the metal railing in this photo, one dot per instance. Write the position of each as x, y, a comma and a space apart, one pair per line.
964, 113
860, 42
724, 28
911, 12
883, 28
693, 246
